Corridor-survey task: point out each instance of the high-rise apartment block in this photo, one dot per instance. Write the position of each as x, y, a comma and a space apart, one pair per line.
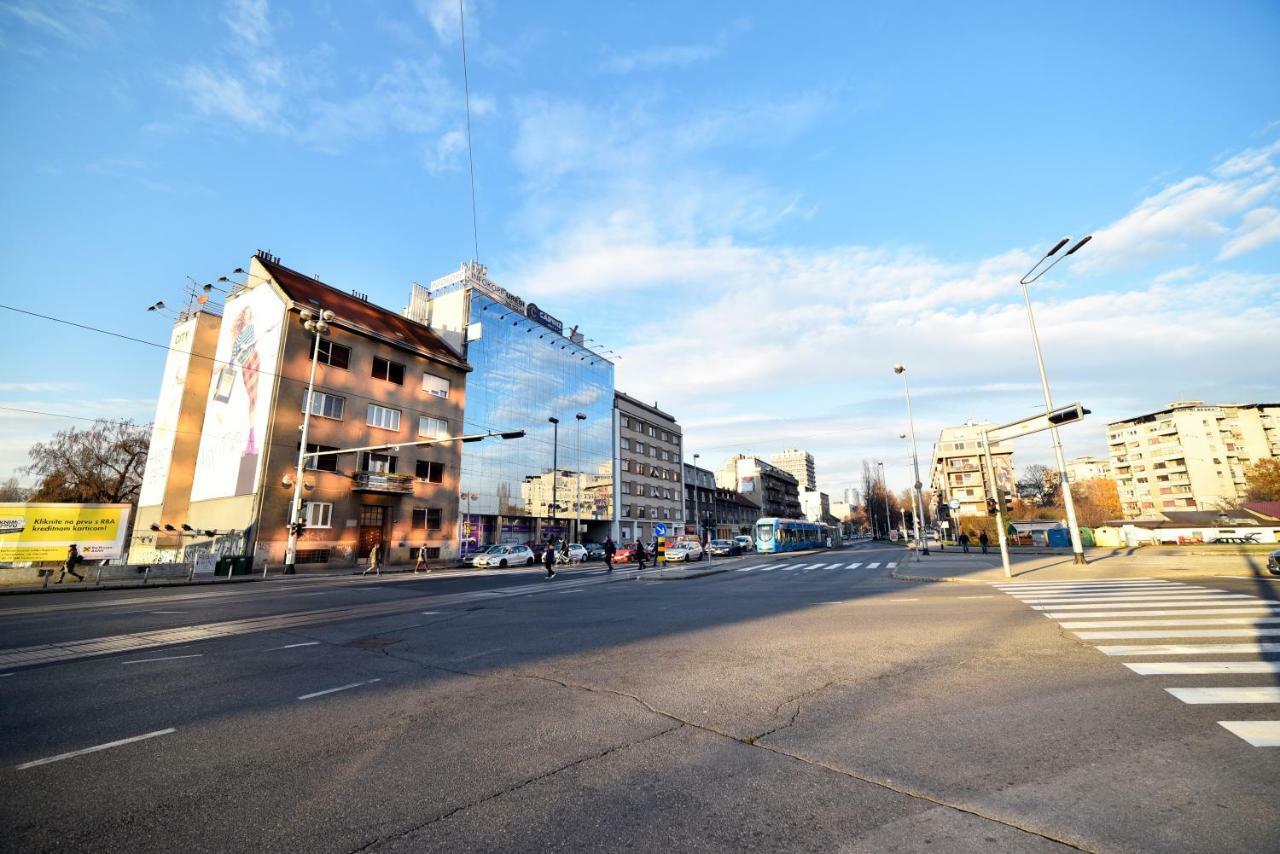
1088, 468
959, 469
1190, 456
777, 491
798, 464
650, 476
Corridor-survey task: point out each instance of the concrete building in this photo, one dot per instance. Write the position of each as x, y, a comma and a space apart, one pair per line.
776, 491
735, 514
700, 501
816, 506
529, 374
649, 447
1088, 468
381, 379
798, 464
851, 496
1191, 455
958, 470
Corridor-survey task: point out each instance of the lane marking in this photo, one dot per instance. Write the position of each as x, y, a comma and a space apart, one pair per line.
2, 675
745, 569
873, 566
1257, 733
1196, 668
1190, 649
1180, 589
166, 612
294, 645
889, 565
1152, 598
25, 765
853, 566
1232, 609
567, 592
1178, 603
1253, 694
339, 688
430, 613
904, 600
1206, 621
163, 658
1179, 633
987, 596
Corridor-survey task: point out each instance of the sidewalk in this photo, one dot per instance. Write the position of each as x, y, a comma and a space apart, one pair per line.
977, 568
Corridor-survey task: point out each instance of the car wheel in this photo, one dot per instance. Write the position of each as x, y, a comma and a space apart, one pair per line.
502, 562
528, 561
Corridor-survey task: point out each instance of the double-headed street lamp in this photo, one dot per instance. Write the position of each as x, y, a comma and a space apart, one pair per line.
922, 545
555, 463
1077, 547
316, 323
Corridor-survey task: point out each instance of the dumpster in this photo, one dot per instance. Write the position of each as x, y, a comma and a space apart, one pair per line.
230, 565
1059, 538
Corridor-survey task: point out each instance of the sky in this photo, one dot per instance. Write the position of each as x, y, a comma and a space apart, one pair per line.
761, 207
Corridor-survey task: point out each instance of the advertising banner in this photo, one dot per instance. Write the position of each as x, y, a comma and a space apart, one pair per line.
164, 429
239, 407
42, 532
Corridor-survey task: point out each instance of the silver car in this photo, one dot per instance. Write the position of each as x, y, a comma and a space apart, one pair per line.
470, 560
1273, 562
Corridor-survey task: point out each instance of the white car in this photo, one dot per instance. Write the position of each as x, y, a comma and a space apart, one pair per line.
577, 553
685, 551
507, 556
474, 558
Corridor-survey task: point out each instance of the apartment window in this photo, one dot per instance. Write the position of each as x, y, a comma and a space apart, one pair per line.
431, 472
626, 464
653, 512
382, 417
959, 446
325, 405
626, 422
652, 431
653, 451
626, 487
666, 513
438, 386
333, 354
326, 463
392, 372
426, 519
665, 457
640, 448
380, 463
626, 443
317, 514
626, 511
432, 428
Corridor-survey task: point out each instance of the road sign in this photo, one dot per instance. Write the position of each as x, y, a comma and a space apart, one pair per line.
1056, 418
954, 504
660, 529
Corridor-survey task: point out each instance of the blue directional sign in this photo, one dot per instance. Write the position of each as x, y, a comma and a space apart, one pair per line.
660, 530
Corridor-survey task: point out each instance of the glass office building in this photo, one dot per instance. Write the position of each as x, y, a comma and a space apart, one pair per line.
526, 369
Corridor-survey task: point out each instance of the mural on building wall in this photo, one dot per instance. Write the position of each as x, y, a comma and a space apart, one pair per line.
164, 429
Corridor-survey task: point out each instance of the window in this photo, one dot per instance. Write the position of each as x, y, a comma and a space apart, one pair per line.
317, 514
626, 443
438, 386
381, 416
626, 422
426, 518
325, 405
652, 432
327, 463
432, 428
334, 354
431, 472
640, 448
626, 464
665, 457
653, 451
380, 463
666, 513
653, 512
392, 372
626, 487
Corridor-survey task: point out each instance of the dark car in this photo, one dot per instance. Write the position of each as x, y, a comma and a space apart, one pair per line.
723, 548
595, 551
1273, 562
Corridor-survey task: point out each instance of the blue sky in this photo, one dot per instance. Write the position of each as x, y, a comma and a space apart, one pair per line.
761, 208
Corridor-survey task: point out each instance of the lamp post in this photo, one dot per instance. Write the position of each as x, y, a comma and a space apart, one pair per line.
884, 488
697, 517
921, 542
464, 528
555, 463
1077, 548
577, 501
316, 323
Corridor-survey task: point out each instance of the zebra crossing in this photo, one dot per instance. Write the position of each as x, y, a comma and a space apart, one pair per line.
810, 567
1168, 619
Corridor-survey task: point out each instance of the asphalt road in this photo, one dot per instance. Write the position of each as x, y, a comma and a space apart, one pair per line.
808, 703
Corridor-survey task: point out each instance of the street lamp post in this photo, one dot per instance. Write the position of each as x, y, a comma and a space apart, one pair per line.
577, 501
464, 529
922, 543
697, 517
1077, 547
884, 488
316, 323
555, 463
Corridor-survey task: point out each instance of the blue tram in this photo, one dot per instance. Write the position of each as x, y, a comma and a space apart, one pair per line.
789, 535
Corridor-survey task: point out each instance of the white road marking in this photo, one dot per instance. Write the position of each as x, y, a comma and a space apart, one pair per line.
1152, 597
430, 613
339, 688
904, 600
1190, 649
1176, 603
987, 596
1204, 621
162, 658
1252, 694
1003, 584
95, 749
1163, 590
294, 645
1257, 733
1179, 633
873, 566
889, 565
1239, 610
565, 592
166, 612
853, 566
745, 569
2, 675
1194, 668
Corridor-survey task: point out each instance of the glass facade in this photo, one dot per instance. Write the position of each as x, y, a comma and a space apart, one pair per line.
523, 374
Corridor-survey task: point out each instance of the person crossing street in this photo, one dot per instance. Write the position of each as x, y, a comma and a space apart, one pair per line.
609, 550
549, 558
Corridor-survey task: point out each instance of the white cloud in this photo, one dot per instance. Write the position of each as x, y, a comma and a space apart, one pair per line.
222, 95
1258, 228
248, 20
80, 22
447, 156
674, 56
443, 17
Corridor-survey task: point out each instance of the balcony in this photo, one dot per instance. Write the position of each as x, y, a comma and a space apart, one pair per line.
377, 481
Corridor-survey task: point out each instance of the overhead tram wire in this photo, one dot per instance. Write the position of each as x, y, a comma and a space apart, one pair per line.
471, 159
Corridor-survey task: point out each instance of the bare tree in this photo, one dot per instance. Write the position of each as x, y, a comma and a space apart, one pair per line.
11, 490
102, 464
1039, 484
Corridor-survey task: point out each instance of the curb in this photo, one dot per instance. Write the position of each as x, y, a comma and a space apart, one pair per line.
897, 576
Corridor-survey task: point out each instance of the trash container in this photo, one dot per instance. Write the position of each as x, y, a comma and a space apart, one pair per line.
1059, 538
230, 565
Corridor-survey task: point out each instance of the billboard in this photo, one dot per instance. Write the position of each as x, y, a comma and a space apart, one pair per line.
240, 395
42, 532
164, 429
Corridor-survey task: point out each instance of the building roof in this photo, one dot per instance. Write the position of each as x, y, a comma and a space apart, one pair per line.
1270, 509
1188, 404
351, 310
649, 407
1236, 517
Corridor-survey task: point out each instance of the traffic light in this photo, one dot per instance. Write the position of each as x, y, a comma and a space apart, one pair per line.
1067, 414
297, 528
991, 507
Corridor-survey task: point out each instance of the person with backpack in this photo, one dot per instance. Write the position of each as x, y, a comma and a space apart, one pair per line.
640, 555
549, 558
69, 565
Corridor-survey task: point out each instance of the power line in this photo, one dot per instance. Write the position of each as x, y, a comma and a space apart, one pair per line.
471, 159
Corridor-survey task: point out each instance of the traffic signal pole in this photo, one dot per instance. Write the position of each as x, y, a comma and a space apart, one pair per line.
999, 499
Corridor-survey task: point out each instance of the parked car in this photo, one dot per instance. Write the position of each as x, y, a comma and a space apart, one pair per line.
624, 554
470, 559
576, 553
507, 556
595, 551
744, 542
723, 548
683, 551
1273, 562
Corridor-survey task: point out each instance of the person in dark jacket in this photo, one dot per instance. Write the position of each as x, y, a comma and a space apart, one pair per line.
549, 558
983, 540
609, 550
69, 565
964, 542
641, 554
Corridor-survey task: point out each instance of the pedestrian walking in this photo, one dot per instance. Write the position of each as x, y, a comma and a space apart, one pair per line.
609, 550
69, 565
983, 539
964, 542
374, 555
549, 558
640, 555
421, 562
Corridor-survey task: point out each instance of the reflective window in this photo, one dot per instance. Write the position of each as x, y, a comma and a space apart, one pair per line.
438, 386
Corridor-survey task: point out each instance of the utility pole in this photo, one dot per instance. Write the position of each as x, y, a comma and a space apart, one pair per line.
555, 463
577, 500
316, 323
